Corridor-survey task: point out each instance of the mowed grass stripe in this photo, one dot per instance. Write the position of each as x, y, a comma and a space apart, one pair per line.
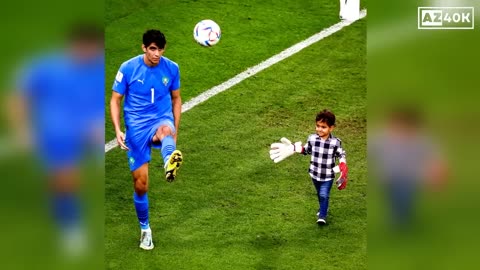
232, 208
257, 68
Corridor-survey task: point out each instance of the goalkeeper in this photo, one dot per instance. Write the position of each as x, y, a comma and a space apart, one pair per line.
324, 149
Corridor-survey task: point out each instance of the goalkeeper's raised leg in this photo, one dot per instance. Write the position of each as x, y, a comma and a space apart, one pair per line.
172, 157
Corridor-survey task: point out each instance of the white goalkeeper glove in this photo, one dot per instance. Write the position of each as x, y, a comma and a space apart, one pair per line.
284, 149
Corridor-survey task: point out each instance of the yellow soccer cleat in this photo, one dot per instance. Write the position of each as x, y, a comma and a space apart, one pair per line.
172, 165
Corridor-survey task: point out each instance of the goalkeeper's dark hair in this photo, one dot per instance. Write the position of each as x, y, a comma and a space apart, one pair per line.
90, 31
154, 36
327, 117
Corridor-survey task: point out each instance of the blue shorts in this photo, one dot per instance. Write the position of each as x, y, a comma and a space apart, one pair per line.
60, 151
139, 141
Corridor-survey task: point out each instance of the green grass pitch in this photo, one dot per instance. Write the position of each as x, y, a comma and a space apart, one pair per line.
231, 206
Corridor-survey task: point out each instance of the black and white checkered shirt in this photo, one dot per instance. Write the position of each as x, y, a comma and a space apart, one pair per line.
324, 155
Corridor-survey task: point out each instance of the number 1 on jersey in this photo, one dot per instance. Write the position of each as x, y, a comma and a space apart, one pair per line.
153, 94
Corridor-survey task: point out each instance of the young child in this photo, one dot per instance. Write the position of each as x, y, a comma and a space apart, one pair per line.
324, 149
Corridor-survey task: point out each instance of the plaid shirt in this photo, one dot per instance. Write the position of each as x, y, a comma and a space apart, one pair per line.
324, 154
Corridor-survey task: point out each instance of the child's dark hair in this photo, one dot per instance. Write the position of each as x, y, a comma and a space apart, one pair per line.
407, 115
326, 116
154, 36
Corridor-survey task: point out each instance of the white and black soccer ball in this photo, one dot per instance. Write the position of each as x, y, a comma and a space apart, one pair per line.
207, 33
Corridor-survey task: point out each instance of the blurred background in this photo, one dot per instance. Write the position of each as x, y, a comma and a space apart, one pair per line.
423, 111
52, 135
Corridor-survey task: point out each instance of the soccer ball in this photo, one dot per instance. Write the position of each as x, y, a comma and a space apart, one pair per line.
207, 33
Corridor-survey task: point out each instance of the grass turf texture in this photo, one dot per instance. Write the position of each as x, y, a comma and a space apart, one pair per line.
232, 207
252, 31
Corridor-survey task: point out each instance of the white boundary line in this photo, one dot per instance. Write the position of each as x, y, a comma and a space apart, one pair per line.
255, 69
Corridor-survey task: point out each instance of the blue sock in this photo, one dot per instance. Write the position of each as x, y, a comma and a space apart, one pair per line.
66, 210
168, 146
141, 206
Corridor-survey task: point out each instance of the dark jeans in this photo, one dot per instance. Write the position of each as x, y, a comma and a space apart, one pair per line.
323, 192
401, 195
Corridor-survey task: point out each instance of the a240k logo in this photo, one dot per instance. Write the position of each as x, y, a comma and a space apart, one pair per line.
445, 18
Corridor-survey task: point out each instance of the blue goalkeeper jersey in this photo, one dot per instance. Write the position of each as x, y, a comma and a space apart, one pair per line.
147, 91
65, 98
64, 95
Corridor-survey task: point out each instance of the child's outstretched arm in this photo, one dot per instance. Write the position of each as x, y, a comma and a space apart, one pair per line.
307, 148
283, 149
